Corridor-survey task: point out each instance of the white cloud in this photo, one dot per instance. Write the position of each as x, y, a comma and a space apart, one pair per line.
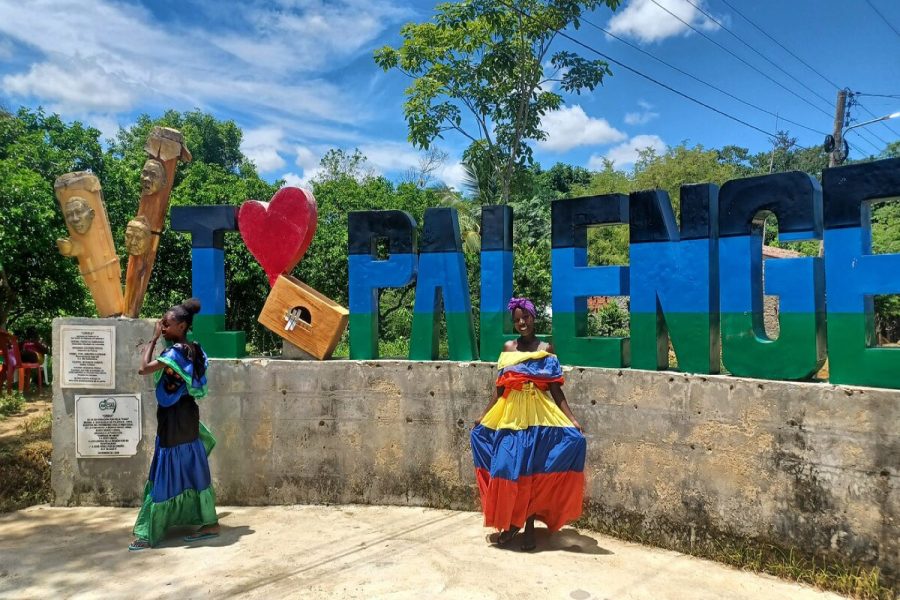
76, 85
641, 117
569, 127
264, 146
108, 56
291, 179
647, 22
6, 49
390, 156
452, 175
307, 159
310, 162
309, 35
628, 152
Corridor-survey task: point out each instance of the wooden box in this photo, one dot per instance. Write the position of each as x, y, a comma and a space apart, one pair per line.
304, 317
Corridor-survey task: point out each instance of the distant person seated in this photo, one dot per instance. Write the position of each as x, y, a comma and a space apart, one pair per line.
31, 350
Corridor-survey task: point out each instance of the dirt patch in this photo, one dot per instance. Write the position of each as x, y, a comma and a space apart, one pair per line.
25, 450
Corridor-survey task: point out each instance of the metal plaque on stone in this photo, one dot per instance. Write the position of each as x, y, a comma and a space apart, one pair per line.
88, 357
107, 426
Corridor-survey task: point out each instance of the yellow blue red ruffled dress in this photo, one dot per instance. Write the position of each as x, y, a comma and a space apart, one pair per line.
529, 457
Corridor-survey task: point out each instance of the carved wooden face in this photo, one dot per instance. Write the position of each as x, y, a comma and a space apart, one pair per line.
153, 177
78, 214
137, 237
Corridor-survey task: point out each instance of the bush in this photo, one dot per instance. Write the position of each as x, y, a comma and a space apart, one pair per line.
11, 403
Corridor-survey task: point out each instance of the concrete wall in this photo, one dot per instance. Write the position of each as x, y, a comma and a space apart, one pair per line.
672, 458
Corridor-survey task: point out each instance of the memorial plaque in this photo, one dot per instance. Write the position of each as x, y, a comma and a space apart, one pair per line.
89, 357
107, 426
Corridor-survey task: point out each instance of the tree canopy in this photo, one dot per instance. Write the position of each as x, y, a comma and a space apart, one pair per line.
478, 69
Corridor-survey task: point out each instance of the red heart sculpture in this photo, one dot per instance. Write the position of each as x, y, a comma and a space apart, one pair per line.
278, 232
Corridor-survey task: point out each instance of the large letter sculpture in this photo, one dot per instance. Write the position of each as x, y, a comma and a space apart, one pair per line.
854, 275
90, 241
369, 274
442, 281
207, 226
496, 326
574, 281
675, 280
165, 147
799, 351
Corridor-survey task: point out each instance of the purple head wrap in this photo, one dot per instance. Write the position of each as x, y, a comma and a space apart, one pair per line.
524, 303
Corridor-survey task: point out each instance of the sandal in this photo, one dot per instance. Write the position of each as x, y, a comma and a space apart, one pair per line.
200, 535
138, 545
502, 538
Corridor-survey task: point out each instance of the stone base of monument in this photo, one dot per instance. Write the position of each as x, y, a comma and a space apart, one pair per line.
288, 350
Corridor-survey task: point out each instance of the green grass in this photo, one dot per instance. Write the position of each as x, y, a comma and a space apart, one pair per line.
827, 573
11, 404
25, 465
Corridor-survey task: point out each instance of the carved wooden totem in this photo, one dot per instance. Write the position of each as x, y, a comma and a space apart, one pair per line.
91, 241
165, 147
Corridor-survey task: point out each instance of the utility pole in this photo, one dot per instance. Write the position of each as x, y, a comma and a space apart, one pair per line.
774, 146
837, 154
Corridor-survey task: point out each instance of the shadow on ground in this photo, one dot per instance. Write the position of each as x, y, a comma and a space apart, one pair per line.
565, 540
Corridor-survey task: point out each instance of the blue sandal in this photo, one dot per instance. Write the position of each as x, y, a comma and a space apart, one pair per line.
138, 545
196, 537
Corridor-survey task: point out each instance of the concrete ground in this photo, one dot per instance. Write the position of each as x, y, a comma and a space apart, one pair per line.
315, 552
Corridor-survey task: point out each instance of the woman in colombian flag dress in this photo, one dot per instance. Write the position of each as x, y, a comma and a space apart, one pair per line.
527, 446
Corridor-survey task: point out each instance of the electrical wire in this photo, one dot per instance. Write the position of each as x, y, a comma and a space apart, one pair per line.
699, 80
783, 47
874, 116
883, 18
763, 56
637, 72
761, 72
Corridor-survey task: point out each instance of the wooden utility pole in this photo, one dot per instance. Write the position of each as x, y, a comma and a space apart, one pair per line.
837, 154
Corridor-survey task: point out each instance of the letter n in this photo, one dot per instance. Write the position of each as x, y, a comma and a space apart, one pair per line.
675, 280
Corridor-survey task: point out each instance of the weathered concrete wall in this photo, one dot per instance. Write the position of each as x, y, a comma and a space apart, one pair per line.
671, 456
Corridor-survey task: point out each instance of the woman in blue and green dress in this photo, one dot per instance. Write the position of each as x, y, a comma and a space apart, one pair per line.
179, 488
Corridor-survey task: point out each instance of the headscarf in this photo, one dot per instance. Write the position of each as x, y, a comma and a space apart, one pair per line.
523, 303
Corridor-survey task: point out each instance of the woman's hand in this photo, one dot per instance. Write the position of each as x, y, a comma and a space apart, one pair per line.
158, 330
577, 426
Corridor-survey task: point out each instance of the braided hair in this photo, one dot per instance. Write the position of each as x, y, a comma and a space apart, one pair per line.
184, 313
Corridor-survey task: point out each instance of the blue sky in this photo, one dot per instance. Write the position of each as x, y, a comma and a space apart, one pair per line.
298, 75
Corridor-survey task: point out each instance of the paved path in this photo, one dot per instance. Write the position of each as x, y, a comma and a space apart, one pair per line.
316, 552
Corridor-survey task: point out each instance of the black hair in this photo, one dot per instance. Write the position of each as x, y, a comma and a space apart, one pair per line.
184, 313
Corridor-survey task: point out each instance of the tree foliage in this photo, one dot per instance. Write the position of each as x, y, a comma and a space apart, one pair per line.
478, 69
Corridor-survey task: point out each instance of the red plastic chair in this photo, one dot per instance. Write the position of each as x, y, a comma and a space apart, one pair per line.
24, 369
7, 369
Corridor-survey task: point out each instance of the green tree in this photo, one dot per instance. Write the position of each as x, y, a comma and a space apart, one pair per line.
218, 174
36, 282
478, 69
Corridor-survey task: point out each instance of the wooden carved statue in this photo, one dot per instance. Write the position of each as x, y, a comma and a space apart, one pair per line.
91, 241
165, 147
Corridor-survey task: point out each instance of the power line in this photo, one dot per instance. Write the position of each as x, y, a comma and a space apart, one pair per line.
874, 116
878, 95
883, 18
783, 47
636, 72
763, 73
695, 78
766, 58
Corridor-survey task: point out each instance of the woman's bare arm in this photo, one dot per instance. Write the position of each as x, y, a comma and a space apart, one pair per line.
560, 398
148, 363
